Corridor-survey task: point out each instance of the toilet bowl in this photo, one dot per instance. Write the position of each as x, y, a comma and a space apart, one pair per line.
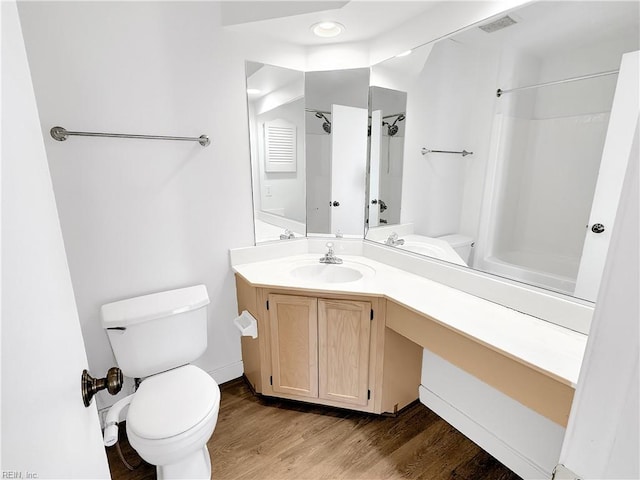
170, 420
174, 411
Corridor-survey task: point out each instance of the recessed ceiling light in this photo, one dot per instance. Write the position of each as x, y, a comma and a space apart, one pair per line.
327, 29
404, 54
253, 91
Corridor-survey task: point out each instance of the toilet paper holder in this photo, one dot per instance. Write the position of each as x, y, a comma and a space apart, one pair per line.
247, 324
90, 386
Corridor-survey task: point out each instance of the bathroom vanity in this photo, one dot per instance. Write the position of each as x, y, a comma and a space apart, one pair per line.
364, 352
374, 334
322, 347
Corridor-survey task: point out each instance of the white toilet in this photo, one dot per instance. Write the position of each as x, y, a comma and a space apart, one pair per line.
173, 413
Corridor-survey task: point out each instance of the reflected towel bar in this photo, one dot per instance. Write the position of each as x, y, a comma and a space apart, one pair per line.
61, 134
464, 153
501, 92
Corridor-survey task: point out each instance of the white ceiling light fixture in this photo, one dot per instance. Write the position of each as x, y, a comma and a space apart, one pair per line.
327, 29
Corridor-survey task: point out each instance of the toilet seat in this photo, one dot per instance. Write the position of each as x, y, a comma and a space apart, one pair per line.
170, 419
175, 449
171, 403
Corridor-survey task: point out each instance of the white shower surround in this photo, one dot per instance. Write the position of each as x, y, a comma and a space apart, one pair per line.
536, 230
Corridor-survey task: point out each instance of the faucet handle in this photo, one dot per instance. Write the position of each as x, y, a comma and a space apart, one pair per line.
329, 246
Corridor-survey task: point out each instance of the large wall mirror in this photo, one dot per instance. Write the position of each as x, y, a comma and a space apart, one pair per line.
516, 183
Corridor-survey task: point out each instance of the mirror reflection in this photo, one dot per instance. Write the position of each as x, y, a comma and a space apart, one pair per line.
336, 150
506, 181
276, 131
388, 121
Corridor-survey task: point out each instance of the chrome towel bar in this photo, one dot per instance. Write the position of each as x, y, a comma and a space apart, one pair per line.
464, 153
61, 134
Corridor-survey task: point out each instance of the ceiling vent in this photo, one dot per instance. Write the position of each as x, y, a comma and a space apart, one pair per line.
498, 24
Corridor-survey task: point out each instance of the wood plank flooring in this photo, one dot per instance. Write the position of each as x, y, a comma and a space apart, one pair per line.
262, 438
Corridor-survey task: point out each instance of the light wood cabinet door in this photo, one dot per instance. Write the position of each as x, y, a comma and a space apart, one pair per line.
293, 324
344, 330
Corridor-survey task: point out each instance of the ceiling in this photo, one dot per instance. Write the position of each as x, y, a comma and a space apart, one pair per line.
291, 21
567, 26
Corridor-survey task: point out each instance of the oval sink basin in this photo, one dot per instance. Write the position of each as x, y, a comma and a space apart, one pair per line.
321, 272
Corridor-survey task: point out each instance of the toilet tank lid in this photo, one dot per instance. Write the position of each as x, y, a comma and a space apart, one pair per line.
156, 305
457, 240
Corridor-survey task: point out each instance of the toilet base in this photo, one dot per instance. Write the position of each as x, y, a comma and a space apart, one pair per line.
196, 466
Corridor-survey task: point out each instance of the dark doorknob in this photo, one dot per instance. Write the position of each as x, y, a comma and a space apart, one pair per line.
90, 386
597, 228
335, 204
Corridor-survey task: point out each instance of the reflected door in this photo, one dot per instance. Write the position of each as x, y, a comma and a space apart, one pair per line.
615, 157
348, 169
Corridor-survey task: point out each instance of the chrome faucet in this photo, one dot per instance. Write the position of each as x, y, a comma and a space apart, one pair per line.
330, 257
288, 234
393, 240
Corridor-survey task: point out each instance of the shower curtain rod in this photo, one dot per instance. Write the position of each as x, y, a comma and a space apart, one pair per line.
501, 92
313, 110
61, 134
394, 115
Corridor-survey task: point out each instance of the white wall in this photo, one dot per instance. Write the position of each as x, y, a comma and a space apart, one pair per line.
318, 156
144, 216
449, 107
523, 440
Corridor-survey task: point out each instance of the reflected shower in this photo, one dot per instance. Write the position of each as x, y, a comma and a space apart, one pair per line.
326, 126
392, 128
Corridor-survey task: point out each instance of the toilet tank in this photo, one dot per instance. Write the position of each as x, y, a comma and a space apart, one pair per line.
157, 332
461, 244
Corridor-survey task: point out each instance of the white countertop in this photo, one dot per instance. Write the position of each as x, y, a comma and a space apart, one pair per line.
546, 347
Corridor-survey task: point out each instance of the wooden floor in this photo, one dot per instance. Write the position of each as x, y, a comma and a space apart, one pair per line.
261, 438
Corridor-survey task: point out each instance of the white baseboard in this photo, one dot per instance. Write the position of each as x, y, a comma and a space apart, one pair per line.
563, 473
482, 437
228, 372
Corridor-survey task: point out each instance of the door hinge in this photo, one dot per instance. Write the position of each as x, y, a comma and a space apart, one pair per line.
267, 304
372, 314
271, 380
368, 394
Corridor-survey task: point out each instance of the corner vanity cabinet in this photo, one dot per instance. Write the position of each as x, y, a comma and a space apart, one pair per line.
327, 348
